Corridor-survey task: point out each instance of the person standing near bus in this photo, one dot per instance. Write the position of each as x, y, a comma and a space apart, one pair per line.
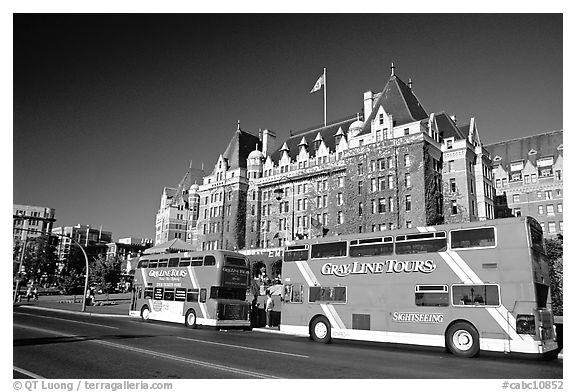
269, 309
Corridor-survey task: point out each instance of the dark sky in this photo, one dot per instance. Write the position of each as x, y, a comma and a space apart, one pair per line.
109, 109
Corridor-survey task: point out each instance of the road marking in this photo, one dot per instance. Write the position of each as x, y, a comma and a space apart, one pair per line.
26, 372
65, 319
159, 354
243, 347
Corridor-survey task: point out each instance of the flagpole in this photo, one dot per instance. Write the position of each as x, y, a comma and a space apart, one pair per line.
324, 96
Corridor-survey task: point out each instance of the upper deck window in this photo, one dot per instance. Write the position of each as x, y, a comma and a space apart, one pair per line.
143, 263
296, 253
235, 261
163, 263
473, 238
371, 247
184, 262
173, 262
329, 249
209, 260
153, 264
196, 261
429, 242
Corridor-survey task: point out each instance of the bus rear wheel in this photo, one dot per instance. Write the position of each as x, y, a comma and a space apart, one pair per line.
191, 318
145, 313
462, 340
320, 330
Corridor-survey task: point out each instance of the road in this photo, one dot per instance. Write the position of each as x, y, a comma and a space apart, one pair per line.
61, 345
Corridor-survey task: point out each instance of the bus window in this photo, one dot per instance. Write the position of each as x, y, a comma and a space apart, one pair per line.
536, 236
209, 260
153, 264
196, 261
371, 247
217, 292
421, 243
180, 294
235, 261
163, 263
143, 263
184, 262
293, 293
202, 295
148, 293
168, 294
173, 262
329, 249
192, 295
473, 238
158, 293
431, 295
296, 253
327, 294
475, 295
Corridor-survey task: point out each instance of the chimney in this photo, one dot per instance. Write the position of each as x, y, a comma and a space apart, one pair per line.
268, 142
368, 103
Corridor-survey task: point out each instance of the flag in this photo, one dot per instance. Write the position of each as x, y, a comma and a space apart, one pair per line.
315, 223
318, 84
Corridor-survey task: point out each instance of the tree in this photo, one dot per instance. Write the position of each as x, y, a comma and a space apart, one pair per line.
73, 273
555, 250
106, 273
40, 259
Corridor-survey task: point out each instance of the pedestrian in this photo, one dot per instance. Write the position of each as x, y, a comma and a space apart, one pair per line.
28, 293
35, 293
269, 309
254, 311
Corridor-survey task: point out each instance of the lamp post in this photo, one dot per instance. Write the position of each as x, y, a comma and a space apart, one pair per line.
279, 193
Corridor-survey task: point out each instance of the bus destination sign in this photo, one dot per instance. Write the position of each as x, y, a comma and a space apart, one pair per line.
381, 267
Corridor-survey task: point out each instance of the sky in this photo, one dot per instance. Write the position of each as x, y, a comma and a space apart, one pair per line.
108, 109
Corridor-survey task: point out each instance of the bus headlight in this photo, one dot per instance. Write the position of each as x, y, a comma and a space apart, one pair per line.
526, 324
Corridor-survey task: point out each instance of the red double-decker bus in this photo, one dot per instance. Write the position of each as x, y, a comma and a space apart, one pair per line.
194, 288
467, 287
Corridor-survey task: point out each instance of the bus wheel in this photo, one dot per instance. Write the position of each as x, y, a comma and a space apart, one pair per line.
145, 313
462, 340
191, 318
320, 330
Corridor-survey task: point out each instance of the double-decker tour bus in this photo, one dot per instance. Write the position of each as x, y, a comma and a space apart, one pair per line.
194, 288
467, 287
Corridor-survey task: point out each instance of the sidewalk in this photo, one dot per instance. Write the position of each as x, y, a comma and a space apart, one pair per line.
118, 304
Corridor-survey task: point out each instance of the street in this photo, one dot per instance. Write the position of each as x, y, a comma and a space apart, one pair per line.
63, 345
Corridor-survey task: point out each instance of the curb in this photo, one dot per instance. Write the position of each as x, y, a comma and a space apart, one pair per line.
74, 311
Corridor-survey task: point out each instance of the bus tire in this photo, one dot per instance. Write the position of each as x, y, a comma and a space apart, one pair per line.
190, 319
145, 313
463, 340
320, 330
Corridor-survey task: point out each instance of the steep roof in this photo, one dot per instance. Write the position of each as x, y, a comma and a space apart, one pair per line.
240, 146
527, 148
399, 101
327, 133
447, 127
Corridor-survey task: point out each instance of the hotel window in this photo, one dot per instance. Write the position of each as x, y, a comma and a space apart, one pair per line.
382, 226
390, 182
407, 160
391, 204
381, 164
390, 162
408, 224
539, 194
373, 185
516, 198
407, 180
551, 227
340, 182
454, 207
517, 212
559, 207
381, 118
339, 199
372, 166
319, 201
382, 205
406, 131
382, 182
526, 179
558, 192
559, 175
533, 177
360, 169
561, 225
374, 206
360, 185
378, 135
504, 182
452, 185
450, 166
548, 195
498, 183
408, 202
540, 210
550, 209
340, 217
360, 209
449, 144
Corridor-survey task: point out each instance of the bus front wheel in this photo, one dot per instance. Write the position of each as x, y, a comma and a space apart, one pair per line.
462, 340
320, 330
145, 313
191, 318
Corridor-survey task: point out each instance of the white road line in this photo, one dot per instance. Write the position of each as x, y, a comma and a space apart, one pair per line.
243, 347
65, 319
159, 354
26, 372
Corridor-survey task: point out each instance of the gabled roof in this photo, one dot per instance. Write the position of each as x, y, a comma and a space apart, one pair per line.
398, 100
172, 246
240, 146
327, 133
545, 145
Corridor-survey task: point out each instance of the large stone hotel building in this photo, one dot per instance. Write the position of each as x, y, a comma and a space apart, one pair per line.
393, 165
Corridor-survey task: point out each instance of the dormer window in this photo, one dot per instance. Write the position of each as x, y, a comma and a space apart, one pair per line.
381, 118
449, 144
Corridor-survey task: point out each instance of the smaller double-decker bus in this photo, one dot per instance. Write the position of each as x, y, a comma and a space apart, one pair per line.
467, 287
194, 288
